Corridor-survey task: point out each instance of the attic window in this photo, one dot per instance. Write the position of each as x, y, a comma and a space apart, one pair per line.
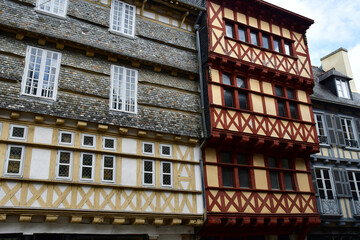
342, 87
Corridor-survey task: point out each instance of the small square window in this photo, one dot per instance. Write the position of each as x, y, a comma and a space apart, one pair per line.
290, 93
88, 141
108, 168
226, 78
279, 91
109, 143
148, 148
148, 172
14, 160
66, 138
18, 132
64, 165
165, 150
240, 82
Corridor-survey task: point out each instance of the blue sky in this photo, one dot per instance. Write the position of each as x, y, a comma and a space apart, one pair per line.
337, 24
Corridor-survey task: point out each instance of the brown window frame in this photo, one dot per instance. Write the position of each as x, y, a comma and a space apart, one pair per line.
236, 91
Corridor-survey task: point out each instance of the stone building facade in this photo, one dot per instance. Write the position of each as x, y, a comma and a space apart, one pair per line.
100, 119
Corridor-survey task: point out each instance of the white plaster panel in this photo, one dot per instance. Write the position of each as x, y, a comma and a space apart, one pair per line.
199, 204
128, 172
198, 178
129, 145
43, 135
40, 163
197, 153
170, 237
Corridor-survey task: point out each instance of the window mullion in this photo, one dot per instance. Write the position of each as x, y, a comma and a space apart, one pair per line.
42, 73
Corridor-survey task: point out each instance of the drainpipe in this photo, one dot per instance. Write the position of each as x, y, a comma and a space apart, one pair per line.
201, 78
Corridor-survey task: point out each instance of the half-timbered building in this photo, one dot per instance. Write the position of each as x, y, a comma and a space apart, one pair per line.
260, 122
336, 168
99, 120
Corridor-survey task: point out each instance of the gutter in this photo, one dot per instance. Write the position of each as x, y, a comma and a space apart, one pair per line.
201, 78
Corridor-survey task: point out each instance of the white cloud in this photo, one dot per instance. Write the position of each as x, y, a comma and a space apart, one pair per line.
354, 55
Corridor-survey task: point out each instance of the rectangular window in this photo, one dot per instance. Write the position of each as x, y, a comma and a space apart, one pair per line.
266, 41
122, 18
18, 132
282, 108
293, 110
354, 180
109, 143
108, 168
320, 128
324, 183
342, 87
254, 38
290, 93
276, 45
348, 130
287, 47
242, 34
148, 148
230, 169
165, 150
228, 97
281, 174
166, 174
14, 160
66, 138
41, 73
123, 95
52, 7
243, 102
87, 166
88, 140
279, 91
229, 30
0, 129
64, 165
226, 78
148, 172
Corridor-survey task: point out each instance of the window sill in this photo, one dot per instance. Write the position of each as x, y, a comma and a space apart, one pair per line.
121, 111
325, 145
62, 17
352, 148
39, 98
122, 34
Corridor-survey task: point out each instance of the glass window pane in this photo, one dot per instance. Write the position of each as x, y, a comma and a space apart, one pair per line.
279, 91
276, 45
266, 41
242, 34
287, 48
244, 178
228, 95
253, 36
225, 157
229, 30
288, 181
272, 162
242, 159
227, 177
293, 110
274, 178
290, 93
285, 163
226, 79
240, 82
282, 109
243, 103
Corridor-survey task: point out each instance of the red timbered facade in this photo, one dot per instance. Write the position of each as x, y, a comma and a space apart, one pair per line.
262, 131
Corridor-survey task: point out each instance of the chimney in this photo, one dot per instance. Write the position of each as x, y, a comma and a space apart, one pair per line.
340, 61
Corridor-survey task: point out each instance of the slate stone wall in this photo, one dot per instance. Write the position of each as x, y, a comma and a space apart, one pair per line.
166, 103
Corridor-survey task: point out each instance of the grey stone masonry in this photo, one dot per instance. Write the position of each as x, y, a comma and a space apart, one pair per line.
166, 103
88, 24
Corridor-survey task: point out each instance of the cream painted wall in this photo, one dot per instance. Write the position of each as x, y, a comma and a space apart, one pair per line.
40, 163
128, 172
43, 135
129, 145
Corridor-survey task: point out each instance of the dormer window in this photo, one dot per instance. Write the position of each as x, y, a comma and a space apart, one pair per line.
342, 87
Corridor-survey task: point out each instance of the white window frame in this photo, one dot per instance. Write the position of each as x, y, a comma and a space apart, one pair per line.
161, 150
92, 167
152, 172
162, 174
143, 148
18, 126
322, 178
51, 11
347, 132
8, 159
58, 165
103, 168
342, 87
65, 143
103, 143
41, 73
122, 21
0, 129
118, 89
88, 135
